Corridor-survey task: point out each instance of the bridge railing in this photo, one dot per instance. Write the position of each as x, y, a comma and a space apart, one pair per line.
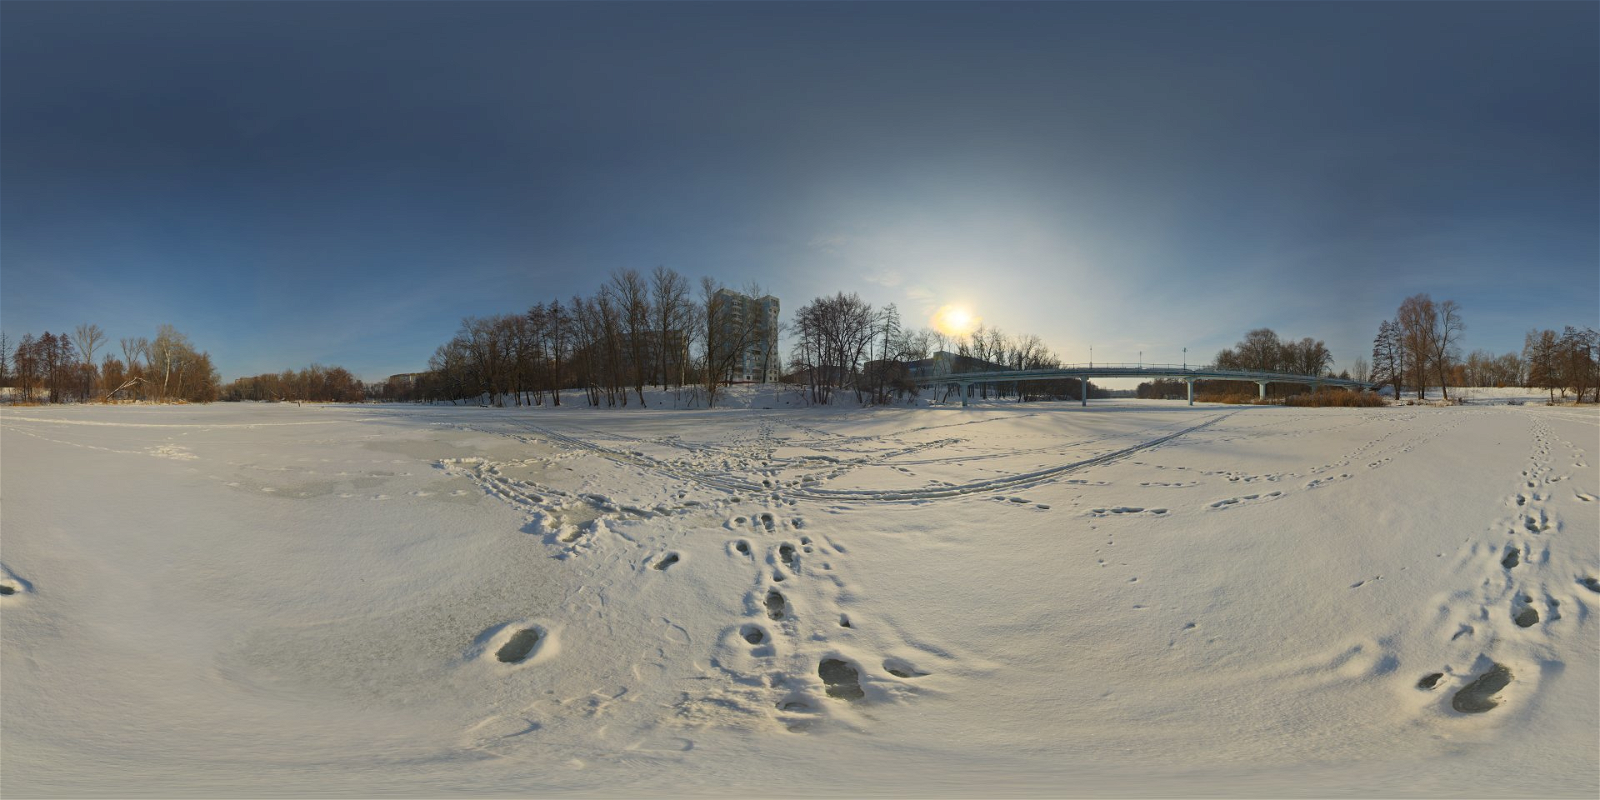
1112, 370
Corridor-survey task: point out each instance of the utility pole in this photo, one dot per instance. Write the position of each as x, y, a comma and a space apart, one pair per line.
1185, 358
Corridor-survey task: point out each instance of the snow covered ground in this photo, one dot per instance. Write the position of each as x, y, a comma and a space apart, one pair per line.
1137, 598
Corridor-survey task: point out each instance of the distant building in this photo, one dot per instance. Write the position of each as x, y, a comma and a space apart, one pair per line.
758, 361
407, 379
946, 363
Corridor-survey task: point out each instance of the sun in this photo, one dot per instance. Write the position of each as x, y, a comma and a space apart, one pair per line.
954, 320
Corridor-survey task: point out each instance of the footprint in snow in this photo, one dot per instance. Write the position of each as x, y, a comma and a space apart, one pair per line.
1479, 695
776, 605
11, 585
901, 669
1247, 498
1119, 510
519, 646
1523, 613
843, 680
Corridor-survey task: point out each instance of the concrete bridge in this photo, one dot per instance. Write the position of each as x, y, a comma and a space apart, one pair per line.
1086, 372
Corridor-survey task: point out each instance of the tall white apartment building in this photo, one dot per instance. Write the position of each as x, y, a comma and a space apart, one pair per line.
758, 361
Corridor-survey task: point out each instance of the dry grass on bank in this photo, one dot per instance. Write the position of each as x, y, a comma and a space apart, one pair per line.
1327, 398
1335, 398
1232, 398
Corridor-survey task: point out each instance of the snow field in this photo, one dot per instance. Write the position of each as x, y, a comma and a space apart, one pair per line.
1137, 598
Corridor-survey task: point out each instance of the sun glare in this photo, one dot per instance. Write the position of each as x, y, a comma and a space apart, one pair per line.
953, 320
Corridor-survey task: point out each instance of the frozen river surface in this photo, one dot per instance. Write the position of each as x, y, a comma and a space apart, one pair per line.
1136, 598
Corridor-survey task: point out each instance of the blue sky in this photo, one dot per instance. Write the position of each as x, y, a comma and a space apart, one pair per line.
342, 182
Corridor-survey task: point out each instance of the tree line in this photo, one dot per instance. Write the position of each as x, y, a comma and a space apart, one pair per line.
1569, 361
1262, 351
314, 384
1420, 347
634, 332
640, 331
58, 368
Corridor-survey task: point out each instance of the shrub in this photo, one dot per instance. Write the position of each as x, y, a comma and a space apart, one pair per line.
1339, 398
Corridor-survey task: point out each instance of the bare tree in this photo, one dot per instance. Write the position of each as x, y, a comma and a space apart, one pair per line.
1418, 319
1575, 360
88, 338
669, 296
1389, 357
169, 350
1360, 371
1444, 341
633, 305
834, 336
1541, 351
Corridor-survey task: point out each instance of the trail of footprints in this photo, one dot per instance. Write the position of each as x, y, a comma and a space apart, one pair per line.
1323, 475
779, 632
1522, 593
799, 658
783, 651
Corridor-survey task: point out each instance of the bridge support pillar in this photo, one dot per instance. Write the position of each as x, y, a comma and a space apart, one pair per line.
1083, 390
1189, 382
963, 395
1261, 390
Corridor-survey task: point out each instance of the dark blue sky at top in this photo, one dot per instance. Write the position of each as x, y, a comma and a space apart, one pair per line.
343, 182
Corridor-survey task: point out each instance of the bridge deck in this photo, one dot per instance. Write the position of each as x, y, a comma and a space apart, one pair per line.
1187, 374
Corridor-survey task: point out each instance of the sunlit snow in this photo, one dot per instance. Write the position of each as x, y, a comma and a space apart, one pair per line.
1133, 598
